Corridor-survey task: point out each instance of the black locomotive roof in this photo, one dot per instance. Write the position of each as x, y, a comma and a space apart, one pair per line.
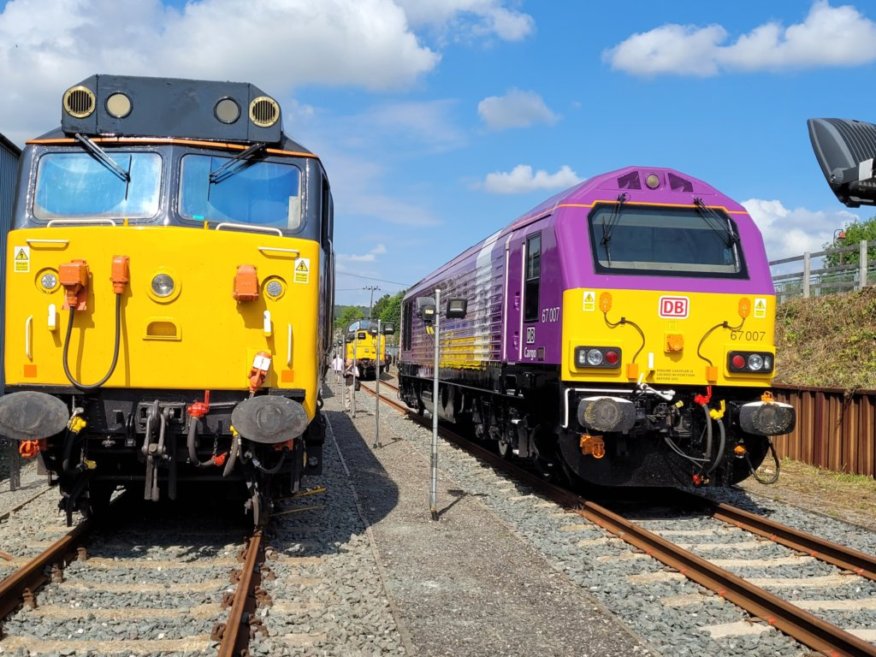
172, 107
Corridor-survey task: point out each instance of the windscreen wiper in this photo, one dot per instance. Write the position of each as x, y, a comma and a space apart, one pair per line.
231, 166
608, 229
717, 223
103, 158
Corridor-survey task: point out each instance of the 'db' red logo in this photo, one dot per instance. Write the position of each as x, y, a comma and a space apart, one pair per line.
674, 306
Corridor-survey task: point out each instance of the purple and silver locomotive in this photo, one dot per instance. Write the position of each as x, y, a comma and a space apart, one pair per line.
621, 332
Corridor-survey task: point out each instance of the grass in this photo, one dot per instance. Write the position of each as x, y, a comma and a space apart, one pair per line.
844, 496
828, 341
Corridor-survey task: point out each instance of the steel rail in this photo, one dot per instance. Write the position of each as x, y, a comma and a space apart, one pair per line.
32, 575
847, 558
234, 641
781, 614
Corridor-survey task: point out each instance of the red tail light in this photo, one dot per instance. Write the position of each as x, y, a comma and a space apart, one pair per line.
753, 362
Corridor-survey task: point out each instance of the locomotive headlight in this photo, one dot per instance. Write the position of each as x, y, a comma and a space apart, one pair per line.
608, 358
162, 285
48, 281
741, 362
274, 288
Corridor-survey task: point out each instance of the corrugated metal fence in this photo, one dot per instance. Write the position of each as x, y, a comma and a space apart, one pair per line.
836, 429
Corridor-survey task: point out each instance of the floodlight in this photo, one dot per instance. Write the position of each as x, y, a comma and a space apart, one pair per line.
845, 150
428, 313
456, 308
388, 329
424, 302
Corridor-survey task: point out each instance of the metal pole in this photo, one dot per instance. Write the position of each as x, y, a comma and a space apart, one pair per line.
355, 372
862, 265
377, 389
433, 498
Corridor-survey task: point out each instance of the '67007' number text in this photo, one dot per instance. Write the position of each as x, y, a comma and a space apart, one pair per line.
747, 336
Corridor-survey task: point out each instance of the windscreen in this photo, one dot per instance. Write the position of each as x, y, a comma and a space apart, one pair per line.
665, 241
240, 191
77, 185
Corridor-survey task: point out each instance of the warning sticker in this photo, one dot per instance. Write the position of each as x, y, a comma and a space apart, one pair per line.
760, 307
21, 259
589, 301
302, 270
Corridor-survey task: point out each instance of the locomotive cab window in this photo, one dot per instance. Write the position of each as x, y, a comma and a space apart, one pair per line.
78, 185
665, 241
532, 278
259, 192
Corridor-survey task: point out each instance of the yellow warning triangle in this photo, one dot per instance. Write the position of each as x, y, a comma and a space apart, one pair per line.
760, 303
21, 255
302, 266
588, 296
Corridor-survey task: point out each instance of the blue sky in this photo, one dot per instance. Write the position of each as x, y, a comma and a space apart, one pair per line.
439, 121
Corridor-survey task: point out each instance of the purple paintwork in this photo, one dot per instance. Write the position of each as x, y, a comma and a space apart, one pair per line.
479, 273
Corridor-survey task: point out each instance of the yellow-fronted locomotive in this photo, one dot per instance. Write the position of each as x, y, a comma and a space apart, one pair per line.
168, 293
366, 348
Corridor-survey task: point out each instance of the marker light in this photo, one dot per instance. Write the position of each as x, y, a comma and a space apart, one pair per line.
599, 357
118, 105
652, 181
755, 362
162, 285
227, 110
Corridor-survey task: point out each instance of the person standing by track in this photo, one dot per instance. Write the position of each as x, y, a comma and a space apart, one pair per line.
338, 368
351, 384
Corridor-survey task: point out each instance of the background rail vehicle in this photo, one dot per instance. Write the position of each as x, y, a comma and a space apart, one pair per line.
362, 346
622, 330
168, 293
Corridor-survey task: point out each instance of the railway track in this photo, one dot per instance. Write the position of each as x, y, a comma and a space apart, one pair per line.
188, 578
134, 584
750, 595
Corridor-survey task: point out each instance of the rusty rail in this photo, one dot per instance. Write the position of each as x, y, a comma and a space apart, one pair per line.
781, 614
234, 634
836, 428
23, 583
847, 558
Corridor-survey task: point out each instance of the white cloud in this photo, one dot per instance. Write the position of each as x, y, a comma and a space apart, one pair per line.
357, 190
828, 36
469, 18
516, 109
48, 45
791, 232
521, 179
426, 124
370, 256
